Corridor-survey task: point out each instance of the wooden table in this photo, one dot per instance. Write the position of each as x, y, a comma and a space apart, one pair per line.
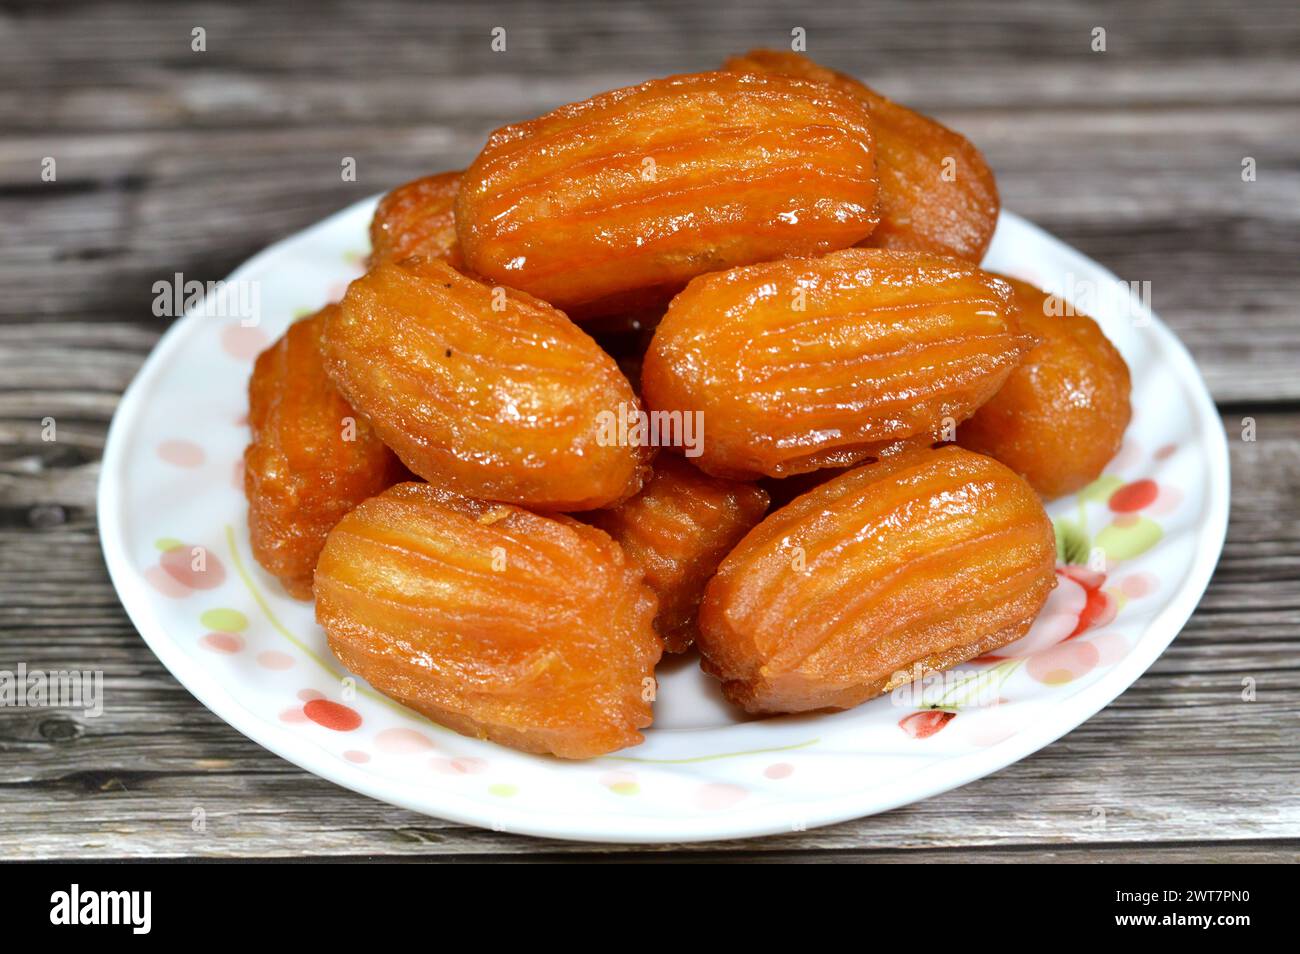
171, 160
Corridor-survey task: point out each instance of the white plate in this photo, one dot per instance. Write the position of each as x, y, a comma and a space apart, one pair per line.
170, 500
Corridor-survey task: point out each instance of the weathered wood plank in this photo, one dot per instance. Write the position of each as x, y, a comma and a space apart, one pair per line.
199, 94
436, 39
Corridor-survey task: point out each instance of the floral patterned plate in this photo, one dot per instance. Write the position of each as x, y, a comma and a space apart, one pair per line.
1136, 550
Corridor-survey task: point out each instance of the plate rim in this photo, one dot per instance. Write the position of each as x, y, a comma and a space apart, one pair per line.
927, 782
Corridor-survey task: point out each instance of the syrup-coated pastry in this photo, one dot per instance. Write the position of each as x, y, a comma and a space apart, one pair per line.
937, 194
484, 390
1060, 417
312, 457
807, 363
678, 529
613, 204
417, 218
913, 564
532, 631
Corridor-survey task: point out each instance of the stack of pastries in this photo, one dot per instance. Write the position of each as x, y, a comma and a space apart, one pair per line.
772, 251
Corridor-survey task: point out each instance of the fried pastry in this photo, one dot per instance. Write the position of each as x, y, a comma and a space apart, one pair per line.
937, 194
532, 631
487, 391
1060, 417
613, 204
417, 218
678, 529
809, 363
910, 565
312, 457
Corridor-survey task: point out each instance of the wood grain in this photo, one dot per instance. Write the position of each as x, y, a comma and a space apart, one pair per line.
170, 160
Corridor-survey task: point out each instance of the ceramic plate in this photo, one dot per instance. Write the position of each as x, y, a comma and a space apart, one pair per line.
1136, 550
